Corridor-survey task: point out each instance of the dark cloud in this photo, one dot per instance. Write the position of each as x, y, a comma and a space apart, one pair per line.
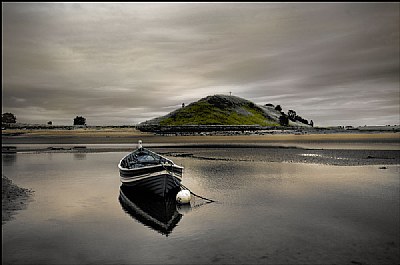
335, 63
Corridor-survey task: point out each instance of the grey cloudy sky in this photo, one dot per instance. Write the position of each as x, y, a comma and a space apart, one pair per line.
115, 64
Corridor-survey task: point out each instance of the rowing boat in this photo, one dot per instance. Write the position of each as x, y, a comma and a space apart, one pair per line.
147, 170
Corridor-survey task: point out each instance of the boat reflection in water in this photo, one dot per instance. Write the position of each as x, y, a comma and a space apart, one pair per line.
158, 213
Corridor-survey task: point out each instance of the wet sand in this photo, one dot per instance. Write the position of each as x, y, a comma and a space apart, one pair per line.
13, 199
351, 140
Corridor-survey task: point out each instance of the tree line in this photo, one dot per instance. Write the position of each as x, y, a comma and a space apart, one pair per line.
9, 118
291, 115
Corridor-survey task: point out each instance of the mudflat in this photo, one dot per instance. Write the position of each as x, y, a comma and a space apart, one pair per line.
131, 135
14, 198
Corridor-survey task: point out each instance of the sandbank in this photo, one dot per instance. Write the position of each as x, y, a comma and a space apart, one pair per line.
130, 136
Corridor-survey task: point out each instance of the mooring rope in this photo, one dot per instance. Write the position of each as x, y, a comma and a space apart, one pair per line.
186, 188
182, 186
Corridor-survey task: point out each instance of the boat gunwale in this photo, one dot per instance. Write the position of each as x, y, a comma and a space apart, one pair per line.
149, 175
151, 166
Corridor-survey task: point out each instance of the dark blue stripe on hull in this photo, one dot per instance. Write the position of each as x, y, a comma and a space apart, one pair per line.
160, 185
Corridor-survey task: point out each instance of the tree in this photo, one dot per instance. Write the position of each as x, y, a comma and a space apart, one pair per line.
49, 123
300, 119
278, 108
312, 123
79, 120
292, 115
8, 118
284, 120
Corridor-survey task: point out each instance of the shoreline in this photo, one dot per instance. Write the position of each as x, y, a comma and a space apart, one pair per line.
129, 135
14, 199
279, 154
333, 148
89, 140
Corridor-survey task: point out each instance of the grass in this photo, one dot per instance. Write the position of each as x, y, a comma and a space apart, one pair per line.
204, 113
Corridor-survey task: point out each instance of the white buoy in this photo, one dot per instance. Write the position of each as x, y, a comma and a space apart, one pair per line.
183, 197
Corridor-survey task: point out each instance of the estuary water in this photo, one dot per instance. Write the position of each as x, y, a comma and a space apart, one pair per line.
265, 212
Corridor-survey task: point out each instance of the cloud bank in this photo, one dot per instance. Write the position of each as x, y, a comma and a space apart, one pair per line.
115, 64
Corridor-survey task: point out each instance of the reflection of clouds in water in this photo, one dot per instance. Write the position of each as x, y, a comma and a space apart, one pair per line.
311, 202
79, 156
9, 159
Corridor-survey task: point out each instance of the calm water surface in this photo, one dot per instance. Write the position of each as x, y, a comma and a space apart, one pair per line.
266, 212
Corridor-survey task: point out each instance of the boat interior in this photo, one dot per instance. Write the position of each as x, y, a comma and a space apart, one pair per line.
142, 158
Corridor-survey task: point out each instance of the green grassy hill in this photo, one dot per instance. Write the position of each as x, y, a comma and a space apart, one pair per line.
218, 110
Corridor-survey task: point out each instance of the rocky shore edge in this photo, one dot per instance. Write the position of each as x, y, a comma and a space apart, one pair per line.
14, 198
